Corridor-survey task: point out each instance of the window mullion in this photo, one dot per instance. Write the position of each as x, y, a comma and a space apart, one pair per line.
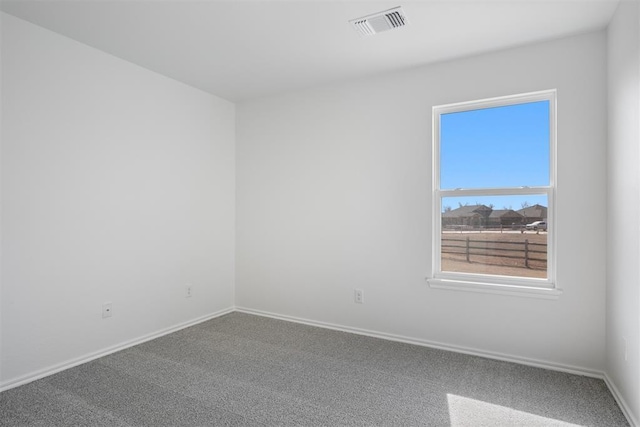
508, 191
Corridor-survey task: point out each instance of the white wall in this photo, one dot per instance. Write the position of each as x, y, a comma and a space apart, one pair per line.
623, 276
333, 193
117, 185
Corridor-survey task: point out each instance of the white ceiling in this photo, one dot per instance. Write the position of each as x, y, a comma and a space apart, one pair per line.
240, 49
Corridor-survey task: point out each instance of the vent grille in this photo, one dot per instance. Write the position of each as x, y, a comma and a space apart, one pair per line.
379, 22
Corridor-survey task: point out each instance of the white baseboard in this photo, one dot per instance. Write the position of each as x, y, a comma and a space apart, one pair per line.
633, 421
432, 344
95, 355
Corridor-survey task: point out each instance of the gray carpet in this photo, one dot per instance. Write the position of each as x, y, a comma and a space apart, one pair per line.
241, 369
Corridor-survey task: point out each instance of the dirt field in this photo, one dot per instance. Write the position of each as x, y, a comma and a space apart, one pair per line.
486, 248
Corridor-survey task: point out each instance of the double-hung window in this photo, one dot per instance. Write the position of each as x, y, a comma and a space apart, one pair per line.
493, 193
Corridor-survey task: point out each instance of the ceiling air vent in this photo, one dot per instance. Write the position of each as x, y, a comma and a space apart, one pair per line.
379, 22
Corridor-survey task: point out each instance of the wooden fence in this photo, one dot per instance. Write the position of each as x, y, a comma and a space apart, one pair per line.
525, 251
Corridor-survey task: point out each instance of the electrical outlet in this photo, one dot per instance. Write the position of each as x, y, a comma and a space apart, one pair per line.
359, 296
624, 344
107, 310
188, 291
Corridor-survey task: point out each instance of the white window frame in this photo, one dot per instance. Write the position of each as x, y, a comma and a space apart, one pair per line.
522, 286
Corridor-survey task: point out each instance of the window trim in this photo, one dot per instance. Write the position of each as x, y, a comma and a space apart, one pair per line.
535, 287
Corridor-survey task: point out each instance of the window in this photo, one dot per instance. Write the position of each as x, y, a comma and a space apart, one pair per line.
493, 195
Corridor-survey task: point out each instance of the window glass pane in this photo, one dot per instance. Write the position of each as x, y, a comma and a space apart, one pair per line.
495, 147
497, 235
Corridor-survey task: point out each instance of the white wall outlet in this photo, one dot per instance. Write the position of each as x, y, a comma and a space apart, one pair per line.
624, 348
359, 296
188, 292
107, 310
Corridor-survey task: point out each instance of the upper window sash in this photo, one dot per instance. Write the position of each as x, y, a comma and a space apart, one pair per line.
438, 111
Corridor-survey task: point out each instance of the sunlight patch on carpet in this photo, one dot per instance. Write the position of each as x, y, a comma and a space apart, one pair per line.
464, 412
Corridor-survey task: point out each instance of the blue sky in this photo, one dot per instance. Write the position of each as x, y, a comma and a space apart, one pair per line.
495, 148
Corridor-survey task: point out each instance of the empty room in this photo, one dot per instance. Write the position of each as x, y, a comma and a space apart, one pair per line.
320, 213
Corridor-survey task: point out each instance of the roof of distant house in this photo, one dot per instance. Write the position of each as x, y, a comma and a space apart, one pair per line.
535, 211
463, 211
499, 213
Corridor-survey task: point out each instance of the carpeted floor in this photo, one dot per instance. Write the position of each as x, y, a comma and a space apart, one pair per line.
241, 369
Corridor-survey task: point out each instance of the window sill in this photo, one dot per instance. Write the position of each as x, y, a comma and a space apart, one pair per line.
487, 288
